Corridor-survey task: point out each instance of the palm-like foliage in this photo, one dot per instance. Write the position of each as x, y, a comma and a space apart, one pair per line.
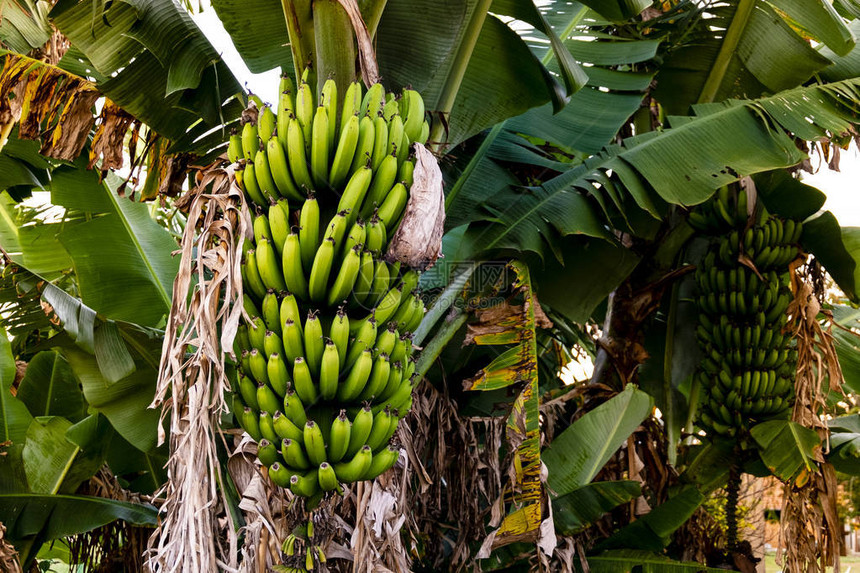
662, 108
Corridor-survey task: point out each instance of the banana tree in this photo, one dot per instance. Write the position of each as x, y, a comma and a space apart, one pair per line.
665, 104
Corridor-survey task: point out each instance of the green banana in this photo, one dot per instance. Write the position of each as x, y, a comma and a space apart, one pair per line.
294, 409
265, 123
314, 343
320, 148
343, 157
357, 377
250, 422
294, 346
257, 363
339, 335
309, 231
392, 207
252, 275
327, 477
284, 428
313, 442
294, 454
267, 264
339, 437
234, 147
279, 377
280, 169
329, 371
280, 475
346, 277
380, 143
353, 193
328, 99
378, 377
382, 462
250, 184
279, 224
355, 469
248, 391
250, 141
293, 273
383, 180
351, 102
267, 427
373, 100
362, 425
364, 338
363, 154
303, 382
321, 270
286, 108
267, 452
305, 113
297, 156
264, 174
305, 485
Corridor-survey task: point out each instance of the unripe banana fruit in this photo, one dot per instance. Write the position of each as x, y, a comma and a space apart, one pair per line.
325, 370
742, 315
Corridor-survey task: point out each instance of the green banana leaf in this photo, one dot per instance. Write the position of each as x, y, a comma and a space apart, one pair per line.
635, 561
575, 456
787, 448
765, 53
257, 29
125, 402
584, 505
34, 517
848, 344
719, 145
49, 388
823, 237
14, 421
787, 196
52, 463
844, 451
562, 286
123, 259
14, 416
653, 531
156, 62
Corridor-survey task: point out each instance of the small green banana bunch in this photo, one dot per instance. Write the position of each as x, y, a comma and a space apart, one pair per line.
326, 356
355, 149
748, 368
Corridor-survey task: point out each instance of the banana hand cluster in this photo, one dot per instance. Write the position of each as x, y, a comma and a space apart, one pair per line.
747, 372
326, 369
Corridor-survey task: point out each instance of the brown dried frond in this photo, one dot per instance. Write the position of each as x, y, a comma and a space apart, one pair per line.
810, 528
192, 379
8, 554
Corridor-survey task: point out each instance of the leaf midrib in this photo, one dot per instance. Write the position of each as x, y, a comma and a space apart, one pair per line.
141, 252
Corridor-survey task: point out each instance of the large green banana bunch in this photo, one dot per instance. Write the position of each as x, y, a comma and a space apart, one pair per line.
747, 373
326, 370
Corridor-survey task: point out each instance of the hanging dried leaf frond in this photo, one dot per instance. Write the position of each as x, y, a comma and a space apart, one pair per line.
9, 561
117, 545
51, 104
418, 239
381, 515
192, 379
810, 527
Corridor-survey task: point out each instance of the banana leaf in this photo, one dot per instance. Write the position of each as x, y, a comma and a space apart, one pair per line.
575, 456
786, 447
49, 388
635, 561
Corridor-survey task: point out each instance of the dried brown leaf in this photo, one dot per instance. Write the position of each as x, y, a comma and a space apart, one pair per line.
114, 123
418, 240
366, 55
